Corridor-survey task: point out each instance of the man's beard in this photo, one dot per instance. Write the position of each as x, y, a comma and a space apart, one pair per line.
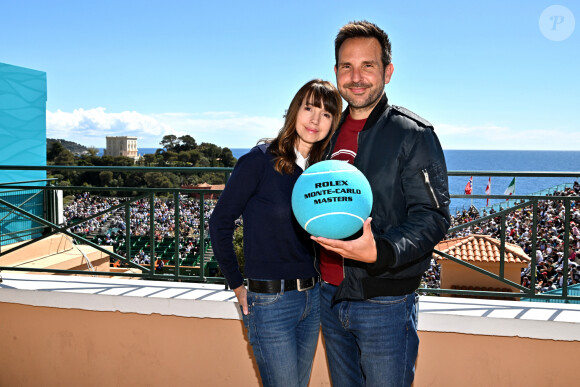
372, 98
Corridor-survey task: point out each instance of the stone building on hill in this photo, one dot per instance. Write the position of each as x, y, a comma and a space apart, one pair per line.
122, 146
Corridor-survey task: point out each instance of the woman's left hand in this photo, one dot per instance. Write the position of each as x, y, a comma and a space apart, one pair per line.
242, 295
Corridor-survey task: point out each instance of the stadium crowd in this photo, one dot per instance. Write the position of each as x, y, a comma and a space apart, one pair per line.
110, 227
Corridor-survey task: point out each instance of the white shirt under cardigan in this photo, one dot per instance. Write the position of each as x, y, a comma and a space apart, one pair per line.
300, 160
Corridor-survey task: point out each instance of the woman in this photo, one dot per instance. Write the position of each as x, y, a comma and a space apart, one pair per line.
281, 305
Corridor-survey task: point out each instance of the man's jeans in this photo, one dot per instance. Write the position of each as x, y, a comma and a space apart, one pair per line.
283, 330
372, 342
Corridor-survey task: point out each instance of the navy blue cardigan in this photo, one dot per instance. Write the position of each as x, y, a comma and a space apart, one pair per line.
275, 246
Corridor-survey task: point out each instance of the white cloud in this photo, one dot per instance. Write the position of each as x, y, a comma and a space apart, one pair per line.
224, 128
90, 127
234, 130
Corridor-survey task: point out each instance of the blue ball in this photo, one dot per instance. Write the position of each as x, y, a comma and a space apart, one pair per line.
332, 199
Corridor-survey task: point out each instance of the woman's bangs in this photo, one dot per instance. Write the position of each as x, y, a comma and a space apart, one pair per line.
321, 97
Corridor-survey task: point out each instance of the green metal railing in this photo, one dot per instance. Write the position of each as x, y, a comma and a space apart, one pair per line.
527, 201
147, 271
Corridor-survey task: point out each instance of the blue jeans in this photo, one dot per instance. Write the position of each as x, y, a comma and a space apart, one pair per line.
283, 331
372, 342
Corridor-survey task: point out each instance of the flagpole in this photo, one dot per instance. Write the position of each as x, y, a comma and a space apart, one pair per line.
488, 190
469, 189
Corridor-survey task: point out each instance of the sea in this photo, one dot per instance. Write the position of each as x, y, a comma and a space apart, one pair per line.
493, 160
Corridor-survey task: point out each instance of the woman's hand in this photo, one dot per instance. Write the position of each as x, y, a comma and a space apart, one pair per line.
242, 296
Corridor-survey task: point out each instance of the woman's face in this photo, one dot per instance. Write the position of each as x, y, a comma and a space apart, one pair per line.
312, 125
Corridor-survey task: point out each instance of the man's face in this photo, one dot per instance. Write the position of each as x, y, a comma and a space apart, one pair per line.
360, 75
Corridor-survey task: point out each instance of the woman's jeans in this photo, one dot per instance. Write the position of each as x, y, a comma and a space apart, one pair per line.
372, 342
283, 331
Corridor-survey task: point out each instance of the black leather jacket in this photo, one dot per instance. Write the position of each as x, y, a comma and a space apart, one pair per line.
400, 155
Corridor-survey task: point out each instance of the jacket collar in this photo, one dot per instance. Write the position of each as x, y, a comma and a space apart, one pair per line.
377, 112
373, 117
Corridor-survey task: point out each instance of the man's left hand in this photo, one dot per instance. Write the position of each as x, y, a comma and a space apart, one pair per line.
363, 249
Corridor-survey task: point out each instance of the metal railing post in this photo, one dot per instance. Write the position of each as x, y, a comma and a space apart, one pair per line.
502, 245
128, 230
151, 232
176, 234
202, 236
533, 271
566, 250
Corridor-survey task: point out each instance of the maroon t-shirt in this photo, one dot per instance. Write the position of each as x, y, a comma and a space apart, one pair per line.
345, 149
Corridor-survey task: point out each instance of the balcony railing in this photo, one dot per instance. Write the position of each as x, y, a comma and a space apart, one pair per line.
198, 271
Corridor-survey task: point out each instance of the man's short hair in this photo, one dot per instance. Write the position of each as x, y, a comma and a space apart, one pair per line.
364, 29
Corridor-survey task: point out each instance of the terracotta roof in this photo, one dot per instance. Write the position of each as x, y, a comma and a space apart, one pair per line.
480, 248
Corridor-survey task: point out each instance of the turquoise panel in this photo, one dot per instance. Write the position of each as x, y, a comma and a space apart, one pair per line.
22, 142
15, 227
22, 121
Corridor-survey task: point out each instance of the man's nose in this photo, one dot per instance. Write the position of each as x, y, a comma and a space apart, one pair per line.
356, 75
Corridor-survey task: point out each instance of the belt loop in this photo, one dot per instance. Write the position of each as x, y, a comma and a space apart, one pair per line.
281, 287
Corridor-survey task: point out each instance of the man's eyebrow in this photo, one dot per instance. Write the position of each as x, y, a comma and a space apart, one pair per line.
372, 61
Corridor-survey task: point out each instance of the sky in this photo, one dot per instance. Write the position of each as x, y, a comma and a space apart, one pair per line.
487, 74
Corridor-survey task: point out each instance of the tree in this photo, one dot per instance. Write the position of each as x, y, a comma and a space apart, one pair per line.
65, 157
212, 178
93, 151
203, 162
183, 157
169, 142
212, 152
191, 156
157, 179
187, 143
149, 159
227, 158
170, 156
106, 177
134, 179
56, 150
123, 161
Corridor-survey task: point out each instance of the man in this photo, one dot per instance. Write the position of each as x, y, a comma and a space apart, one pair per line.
368, 300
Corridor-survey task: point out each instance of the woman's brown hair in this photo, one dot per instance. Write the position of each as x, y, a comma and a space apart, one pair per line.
318, 93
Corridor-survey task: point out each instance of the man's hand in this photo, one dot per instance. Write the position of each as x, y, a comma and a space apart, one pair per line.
363, 249
242, 295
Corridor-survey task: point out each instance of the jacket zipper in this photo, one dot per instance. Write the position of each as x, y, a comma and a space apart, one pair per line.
430, 188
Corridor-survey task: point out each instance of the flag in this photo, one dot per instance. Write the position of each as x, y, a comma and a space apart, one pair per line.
511, 189
488, 190
469, 186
